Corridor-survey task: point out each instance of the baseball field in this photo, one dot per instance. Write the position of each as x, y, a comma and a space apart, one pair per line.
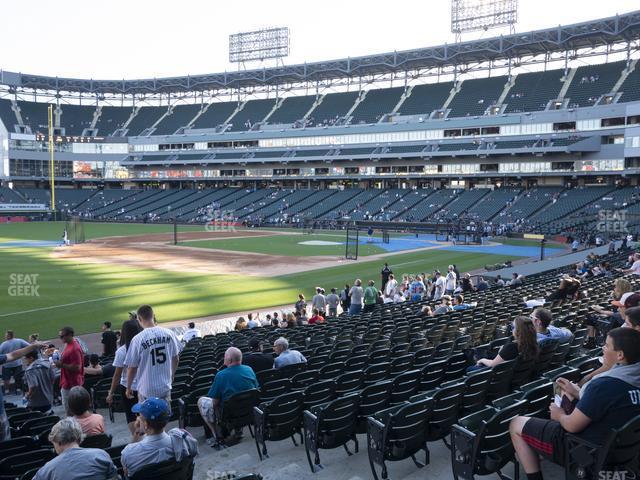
121, 266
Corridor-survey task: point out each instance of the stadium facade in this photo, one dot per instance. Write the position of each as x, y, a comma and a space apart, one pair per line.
558, 107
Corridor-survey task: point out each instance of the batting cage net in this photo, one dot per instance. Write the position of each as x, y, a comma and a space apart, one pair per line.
74, 226
352, 241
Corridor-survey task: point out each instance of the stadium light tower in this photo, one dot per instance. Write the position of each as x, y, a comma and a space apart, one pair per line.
474, 15
268, 43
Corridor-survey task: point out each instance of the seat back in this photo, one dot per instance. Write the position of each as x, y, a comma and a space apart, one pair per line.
356, 363
16, 446
493, 444
101, 441
331, 370
446, 409
404, 386
501, 380
406, 428
376, 373
546, 350
265, 376
318, 393
401, 364
237, 411
538, 399
38, 425
456, 366
476, 387
349, 382
624, 444
373, 399
303, 379
23, 462
274, 388
432, 375
289, 371
337, 421
522, 371
281, 417
169, 470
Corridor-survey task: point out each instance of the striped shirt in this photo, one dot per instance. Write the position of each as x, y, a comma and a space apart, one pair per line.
118, 362
152, 351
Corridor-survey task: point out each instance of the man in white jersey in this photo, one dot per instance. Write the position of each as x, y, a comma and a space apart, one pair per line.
152, 359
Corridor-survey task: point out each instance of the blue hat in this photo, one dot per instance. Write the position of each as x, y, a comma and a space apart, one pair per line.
153, 409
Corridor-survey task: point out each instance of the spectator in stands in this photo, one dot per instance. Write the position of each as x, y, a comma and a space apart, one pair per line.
499, 281
385, 274
253, 322
417, 289
465, 283
93, 368
190, 333
109, 340
610, 319
129, 330
79, 405
234, 379
286, 356
482, 285
390, 287
544, 330
567, 289
458, 303
241, 324
11, 369
370, 296
400, 295
316, 317
38, 378
516, 280
71, 365
256, 359
524, 344
332, 302
73, 462
356, 296
606, 403
319, 301
156, 445
444, 307
635, 266
451, 281
438, 285
345, 298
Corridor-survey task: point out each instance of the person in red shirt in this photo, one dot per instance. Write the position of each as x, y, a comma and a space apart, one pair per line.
71, 365
316, 318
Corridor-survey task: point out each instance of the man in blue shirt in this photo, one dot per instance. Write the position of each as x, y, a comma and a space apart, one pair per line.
5, 433
285, 355
11, 368
234, 379
544, 330
607, 402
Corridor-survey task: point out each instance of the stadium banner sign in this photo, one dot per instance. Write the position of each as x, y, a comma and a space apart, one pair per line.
23, 207
533, 236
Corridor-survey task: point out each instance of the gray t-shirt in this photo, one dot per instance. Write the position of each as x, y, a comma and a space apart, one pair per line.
333, 300
79, 464
12, 345
356, 295
151, 449
40, 377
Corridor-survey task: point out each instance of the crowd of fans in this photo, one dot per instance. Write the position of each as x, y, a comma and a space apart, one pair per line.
141, 359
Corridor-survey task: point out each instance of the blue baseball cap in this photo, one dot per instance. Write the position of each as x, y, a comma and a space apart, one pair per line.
153, 409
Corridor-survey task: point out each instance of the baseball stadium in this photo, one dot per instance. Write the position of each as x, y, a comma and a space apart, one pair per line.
414, 264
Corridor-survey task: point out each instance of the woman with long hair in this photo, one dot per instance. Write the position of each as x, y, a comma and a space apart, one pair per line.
129, 329
524, 344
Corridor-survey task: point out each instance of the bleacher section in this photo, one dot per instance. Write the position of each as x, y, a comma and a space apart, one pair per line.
465, 200
112, 119
8, 195
493, 203
590, 82
254, 111
7, 115
180, 117
531, 92
476, 95
431, 203
215, 115
145, 118
75, 118
630, 88
35, 115
333, 107
292, 109
528, 203
568, 202
376, 103
67, 200
424, 99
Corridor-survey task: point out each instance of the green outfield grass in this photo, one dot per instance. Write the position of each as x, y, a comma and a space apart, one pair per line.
286, 245
85, 295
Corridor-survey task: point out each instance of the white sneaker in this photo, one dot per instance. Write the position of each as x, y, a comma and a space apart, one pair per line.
210, 441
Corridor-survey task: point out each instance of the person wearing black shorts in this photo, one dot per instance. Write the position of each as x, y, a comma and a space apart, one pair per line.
606, 402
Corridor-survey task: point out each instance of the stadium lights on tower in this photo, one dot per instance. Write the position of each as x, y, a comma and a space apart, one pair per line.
474, 15
259, 45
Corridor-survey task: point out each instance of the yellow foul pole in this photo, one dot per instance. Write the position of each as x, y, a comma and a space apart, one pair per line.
51, 164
